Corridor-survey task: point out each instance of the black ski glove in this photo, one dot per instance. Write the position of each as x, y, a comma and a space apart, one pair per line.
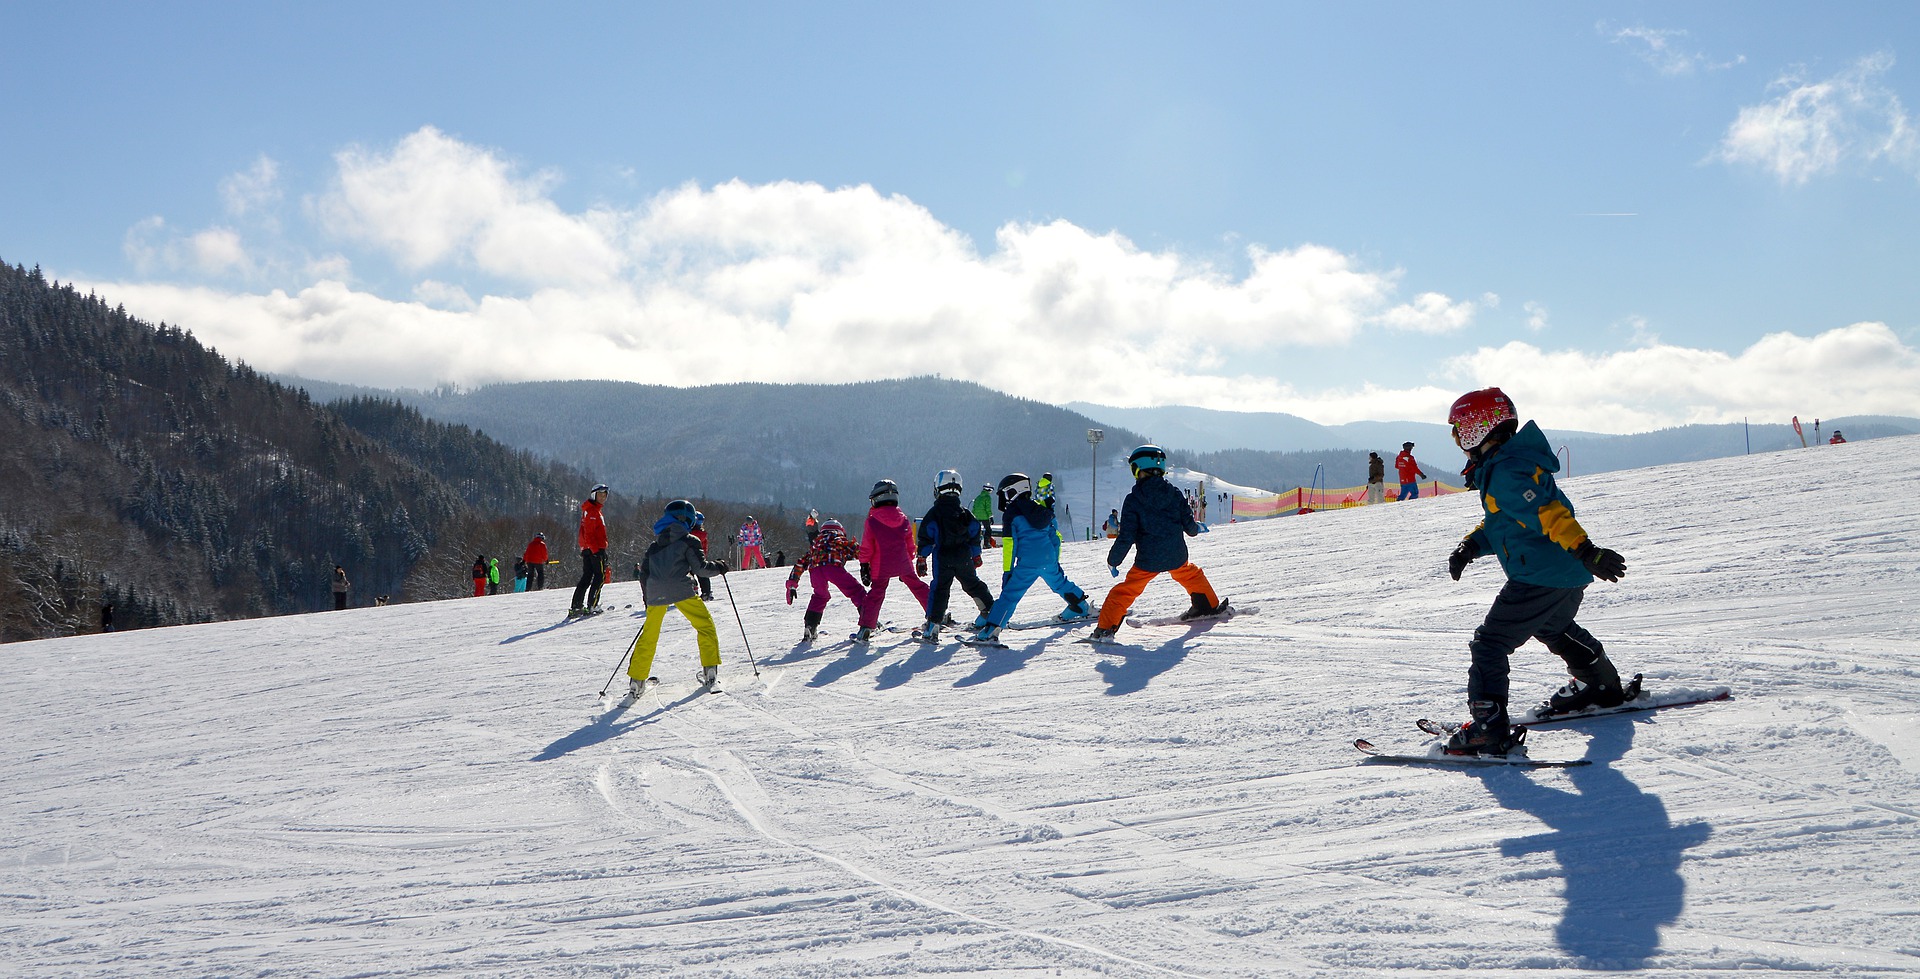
866, 575
1604, 564
1462, 555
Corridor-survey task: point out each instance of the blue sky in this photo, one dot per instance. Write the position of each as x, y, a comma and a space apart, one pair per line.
1626, 215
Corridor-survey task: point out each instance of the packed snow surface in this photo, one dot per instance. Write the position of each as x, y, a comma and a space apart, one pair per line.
434, 789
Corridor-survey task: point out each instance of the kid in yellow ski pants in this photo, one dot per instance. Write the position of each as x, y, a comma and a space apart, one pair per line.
641, 666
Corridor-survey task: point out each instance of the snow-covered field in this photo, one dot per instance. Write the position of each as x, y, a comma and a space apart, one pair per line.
433, 789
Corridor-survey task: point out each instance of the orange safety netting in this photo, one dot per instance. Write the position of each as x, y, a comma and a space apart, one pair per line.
1302, 499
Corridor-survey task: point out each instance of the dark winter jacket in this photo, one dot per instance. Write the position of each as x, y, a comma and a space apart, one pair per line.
672, 561
1529, 523
1156, 518
1376, 468
949, 531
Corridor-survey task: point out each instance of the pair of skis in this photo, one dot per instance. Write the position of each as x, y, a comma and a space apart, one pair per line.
1224, 612
1638, 701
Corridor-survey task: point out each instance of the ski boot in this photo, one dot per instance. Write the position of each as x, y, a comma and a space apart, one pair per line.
1488, 733
987, 632
636, 687
709, 674
1201, 608
1597, 684
812, 621
929, 632
864, 635
1103, 635
1077, 607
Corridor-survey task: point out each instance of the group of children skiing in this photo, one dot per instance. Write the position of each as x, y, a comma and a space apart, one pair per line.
1528, 525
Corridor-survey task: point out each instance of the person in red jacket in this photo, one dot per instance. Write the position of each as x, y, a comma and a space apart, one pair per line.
593, 552
1410, 473
699, 533
536, 559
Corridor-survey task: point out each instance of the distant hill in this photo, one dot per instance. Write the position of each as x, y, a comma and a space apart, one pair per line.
142, 469
790, 446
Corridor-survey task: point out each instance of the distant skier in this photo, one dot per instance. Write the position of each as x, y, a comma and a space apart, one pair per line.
536, 558
983, 511
340, 587
1155, 518
1111, 526
949, 540
493, 576
593, 552
1376, 478
1032, 546
886, 553
825, 565
751, 539
479, 575
669, 568
1837, 439
1410, 473
1529, 525
1042, 493
699, 533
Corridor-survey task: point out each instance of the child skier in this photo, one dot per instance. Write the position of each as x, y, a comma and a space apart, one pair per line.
1154, 516
667, 581
886, 553
1033, 554
950, 535
825, 564
1529, 525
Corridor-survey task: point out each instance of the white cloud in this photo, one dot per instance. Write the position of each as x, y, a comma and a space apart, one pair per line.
1667, 50
1811, 129
252, 191
796, 282
1536, 316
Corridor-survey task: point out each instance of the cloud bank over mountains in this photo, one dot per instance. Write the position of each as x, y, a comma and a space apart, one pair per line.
437, 261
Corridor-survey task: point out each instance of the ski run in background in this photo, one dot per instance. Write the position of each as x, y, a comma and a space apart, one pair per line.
433, 789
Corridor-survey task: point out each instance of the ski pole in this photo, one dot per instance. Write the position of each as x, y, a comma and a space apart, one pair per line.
742, 624
623, 662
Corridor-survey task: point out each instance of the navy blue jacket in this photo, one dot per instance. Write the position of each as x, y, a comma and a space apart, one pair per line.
949, 531
1157, 519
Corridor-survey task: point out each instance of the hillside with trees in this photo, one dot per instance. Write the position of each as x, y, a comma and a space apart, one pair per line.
143, 470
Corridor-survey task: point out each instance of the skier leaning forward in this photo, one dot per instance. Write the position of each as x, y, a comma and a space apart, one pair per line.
668, 580
1549, 561
1033, 554
1155, 517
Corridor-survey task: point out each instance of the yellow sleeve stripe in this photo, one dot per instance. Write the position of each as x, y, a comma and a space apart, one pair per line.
1556, 521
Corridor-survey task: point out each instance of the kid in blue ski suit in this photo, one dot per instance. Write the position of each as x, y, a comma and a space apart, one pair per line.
1033, 555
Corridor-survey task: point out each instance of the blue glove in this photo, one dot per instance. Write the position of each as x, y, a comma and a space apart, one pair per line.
1114, 570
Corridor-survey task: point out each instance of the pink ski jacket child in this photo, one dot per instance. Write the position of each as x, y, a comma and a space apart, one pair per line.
886, 553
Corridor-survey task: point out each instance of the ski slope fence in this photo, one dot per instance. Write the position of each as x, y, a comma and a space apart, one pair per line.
1302, 499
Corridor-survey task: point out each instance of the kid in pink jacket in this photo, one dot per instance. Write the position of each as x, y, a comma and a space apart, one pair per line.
886, 553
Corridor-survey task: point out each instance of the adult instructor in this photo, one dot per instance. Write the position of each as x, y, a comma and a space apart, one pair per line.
593, 552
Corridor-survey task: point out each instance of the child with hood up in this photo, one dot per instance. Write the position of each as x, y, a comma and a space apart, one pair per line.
886, 553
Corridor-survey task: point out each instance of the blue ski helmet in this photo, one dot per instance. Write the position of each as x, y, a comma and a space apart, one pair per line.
1147, 458
684, 512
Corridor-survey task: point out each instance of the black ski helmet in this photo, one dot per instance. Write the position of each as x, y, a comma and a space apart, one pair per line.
1012, 487
884, 491
1147, 458
683, 511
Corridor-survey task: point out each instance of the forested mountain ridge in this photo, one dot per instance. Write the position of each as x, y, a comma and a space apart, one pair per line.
142, 469
785, 445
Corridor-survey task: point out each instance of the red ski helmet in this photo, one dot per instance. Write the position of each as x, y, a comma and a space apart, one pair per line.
1477, 413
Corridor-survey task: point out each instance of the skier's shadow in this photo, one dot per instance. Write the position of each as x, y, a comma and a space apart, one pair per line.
1137, 668
1618, 851
996, 663
606, 727
856, 659
925, 658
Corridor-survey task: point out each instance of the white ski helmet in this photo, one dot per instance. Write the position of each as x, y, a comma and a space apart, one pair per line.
948, 482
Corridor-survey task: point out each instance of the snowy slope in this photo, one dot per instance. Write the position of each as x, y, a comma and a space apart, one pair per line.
432, 788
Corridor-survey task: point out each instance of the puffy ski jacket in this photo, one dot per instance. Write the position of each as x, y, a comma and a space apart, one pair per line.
750, 535
1376, 469
983, 505
886, 543
949, 530
1156, 518
827, 549
672, 561
1035, 534
536, 551
1529, 523
593, 527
